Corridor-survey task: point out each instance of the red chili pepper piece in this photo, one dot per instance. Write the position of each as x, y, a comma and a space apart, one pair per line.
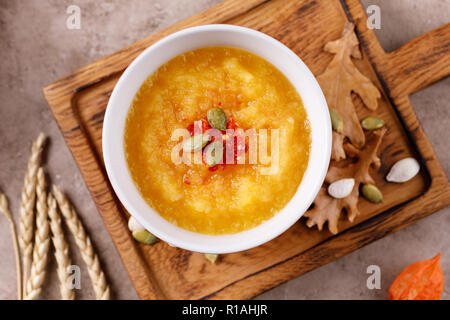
190, 128
204, 159
205, 125
195, 126
186, 180
232, 124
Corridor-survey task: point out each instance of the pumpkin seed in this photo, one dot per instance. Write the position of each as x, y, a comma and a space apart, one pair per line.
217, 118
214, 153
372, 193
195, 143
133, 224
372, 123
336, 121
143, 236
211, 257
341, 188
403, 170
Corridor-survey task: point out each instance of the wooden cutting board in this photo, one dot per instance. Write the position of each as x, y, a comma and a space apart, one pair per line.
78, 102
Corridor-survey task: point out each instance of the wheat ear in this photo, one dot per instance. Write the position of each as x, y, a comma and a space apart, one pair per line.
83, 242
27, 206
4, 208
61, 249
41, 241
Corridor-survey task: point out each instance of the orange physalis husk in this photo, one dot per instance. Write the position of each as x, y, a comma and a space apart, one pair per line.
422, 280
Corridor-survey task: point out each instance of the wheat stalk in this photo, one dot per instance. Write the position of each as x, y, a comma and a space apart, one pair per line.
83, 242
41, 241
4, 208
27, 206
61, 249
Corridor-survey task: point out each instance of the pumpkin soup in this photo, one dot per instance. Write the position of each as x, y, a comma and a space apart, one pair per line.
220, 96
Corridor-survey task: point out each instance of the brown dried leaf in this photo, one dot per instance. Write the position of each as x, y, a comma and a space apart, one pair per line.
339, 80
337, 148
327, 208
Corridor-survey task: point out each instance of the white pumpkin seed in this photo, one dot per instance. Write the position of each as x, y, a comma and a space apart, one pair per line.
195, 143
133, 224
403, 170
214, 153
341, 188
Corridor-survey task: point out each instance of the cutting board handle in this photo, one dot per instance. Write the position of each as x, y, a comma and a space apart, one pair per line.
410, 68
420, 62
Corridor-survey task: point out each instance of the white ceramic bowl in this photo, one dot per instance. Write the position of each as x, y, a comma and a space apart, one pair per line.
162, 51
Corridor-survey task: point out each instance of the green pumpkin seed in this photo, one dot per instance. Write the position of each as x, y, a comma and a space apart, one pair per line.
372, 123
195, 143
211, 257
217, 118
336, 121
143, 236
372, 193
214, 153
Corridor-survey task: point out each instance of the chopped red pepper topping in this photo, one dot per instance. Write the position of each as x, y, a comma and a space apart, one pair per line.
186, 179
238, 149
194, 126
232, 124
212, 169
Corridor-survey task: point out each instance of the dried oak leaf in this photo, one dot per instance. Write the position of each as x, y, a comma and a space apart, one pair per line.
337, 149
339, 80
327, 208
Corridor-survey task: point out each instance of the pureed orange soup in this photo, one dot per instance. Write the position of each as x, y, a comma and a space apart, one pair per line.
251, 94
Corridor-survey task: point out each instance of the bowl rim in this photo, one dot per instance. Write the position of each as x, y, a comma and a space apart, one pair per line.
131, 198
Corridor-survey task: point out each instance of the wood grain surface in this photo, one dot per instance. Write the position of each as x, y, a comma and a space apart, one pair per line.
79, 100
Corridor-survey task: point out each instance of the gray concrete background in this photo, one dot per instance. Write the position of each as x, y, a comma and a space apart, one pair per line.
37, 49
